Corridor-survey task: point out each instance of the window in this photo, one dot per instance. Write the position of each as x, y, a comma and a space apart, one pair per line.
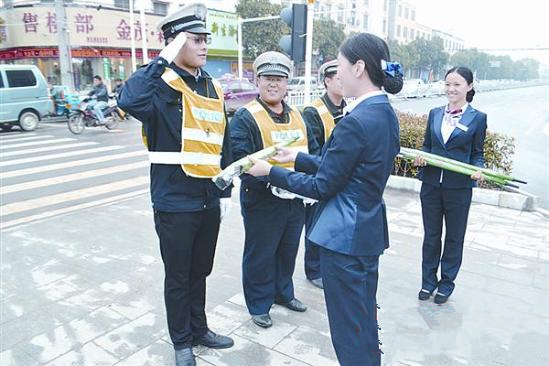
365, 22
413, 15
385, 25
405, 35
20, 78
412, 33
124, 4
1, 81
400, 10
160, 8
398, 30
406, 13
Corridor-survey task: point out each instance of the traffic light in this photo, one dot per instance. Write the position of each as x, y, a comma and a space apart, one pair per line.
294, 44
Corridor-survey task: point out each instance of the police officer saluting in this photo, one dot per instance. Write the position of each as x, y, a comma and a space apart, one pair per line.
273, 218
321, 117
186, 131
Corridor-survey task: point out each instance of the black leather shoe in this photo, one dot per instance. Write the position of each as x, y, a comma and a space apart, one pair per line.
441, 299
423, 295
294, 305
184, 357
318, 283
264, 320
212, 340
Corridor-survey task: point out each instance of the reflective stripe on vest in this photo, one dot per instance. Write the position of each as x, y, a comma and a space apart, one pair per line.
273, 133
202, 131
328, 121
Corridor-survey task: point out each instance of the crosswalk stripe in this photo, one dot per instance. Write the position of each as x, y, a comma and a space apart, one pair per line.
6, 136
72, 177
34, 143
49, 148
43, 215
33, 204
19, 139
59, 155
70, 164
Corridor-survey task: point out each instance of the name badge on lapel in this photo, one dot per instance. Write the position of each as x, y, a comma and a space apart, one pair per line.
462, 127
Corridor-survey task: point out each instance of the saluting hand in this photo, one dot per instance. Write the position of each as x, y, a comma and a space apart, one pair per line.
169, 53
260, 167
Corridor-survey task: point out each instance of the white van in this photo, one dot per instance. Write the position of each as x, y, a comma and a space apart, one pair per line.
24, 97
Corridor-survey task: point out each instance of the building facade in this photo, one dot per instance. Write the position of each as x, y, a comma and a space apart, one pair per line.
100, 36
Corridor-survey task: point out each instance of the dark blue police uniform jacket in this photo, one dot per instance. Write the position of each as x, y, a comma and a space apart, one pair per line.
149, 99
465, 146
349, 179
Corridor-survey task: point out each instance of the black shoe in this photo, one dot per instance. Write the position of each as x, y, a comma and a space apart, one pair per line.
264, 320
184, 357
318, 283
212, 340
294, 305
424, 295
441, 299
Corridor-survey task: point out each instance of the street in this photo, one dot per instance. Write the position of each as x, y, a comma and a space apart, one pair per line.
82, 278
521, 113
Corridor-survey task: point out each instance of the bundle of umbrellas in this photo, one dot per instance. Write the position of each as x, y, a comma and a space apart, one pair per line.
438, 161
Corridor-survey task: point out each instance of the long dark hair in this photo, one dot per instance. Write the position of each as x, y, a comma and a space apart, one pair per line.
467, 74
371, 49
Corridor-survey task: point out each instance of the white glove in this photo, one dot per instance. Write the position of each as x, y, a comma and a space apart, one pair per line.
169, 53
225, 206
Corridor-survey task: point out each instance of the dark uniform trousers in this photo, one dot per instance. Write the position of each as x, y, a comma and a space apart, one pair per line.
187, 246
273, 230
452, 206
350, 286
312, 255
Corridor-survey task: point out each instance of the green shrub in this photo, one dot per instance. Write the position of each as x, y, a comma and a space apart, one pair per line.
498, 148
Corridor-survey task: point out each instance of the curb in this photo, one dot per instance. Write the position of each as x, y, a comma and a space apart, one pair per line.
520, 200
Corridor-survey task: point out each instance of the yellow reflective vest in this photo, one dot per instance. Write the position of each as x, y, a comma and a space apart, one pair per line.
326, 117
203, 126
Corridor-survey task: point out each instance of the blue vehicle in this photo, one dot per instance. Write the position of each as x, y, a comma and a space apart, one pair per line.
64, 101
24, 97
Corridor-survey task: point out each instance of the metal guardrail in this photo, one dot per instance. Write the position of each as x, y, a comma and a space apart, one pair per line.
296, 97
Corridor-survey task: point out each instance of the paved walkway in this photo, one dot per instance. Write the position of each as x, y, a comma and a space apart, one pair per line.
86, 289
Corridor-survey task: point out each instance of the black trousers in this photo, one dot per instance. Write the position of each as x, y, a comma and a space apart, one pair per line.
312, 254
450, 206
350, 287
187, 245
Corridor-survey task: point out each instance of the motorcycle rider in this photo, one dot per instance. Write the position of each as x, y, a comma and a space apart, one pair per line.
100, 97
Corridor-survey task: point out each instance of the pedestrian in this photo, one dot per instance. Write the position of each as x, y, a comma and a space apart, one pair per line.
273, 218
456, 131
348, 180
321, 117
118, 85
186, 131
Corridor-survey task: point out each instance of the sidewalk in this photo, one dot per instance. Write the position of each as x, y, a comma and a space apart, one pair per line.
77, 292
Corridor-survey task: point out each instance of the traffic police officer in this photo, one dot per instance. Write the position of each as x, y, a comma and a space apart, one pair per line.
273, 219
186, 132
321, 117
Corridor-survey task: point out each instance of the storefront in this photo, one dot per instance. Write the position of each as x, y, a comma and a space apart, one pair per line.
100, 41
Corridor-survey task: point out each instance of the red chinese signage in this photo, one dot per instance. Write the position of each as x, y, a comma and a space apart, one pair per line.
21, 53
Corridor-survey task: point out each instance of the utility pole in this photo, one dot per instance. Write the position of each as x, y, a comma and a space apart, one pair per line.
308, 52
65, 58
142, 6
132, 37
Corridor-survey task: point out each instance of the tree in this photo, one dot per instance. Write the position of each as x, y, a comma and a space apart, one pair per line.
431, 54
404, 55
259, 37
327, 38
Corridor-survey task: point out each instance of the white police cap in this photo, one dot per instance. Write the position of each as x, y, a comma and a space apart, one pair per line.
190, 18
272, 63
326, 69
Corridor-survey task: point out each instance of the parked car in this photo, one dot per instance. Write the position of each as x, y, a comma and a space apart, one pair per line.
237, 92
414, 88
298, 83
24, 97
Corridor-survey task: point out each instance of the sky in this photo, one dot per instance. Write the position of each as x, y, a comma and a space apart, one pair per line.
491, 24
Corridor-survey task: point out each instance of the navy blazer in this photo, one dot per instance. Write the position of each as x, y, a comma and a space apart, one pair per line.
348, 179
466, 146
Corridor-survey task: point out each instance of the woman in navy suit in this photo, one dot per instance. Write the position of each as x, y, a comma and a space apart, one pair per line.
348, 180
456, 131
